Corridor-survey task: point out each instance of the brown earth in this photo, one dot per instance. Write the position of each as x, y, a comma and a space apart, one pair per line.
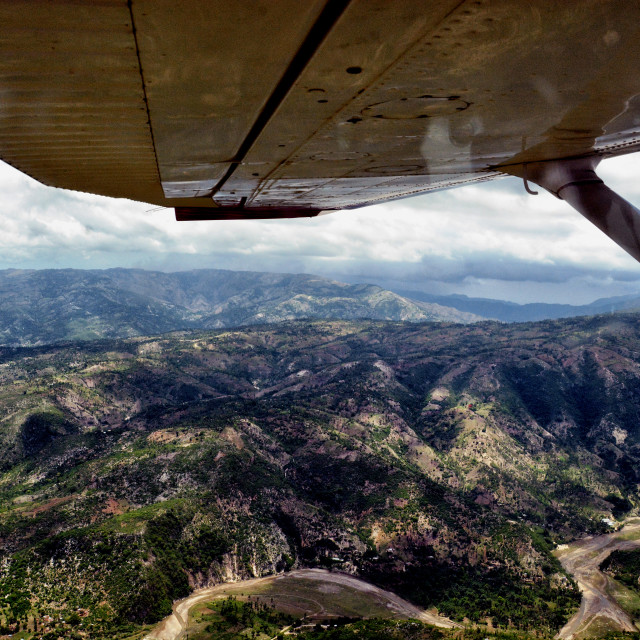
582, 560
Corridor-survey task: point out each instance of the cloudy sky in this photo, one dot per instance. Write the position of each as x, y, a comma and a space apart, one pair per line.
491, 240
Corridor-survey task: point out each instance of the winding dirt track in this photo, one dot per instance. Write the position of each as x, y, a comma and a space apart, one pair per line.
173, 627
581, 559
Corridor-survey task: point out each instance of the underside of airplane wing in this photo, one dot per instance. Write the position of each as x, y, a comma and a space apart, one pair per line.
262, 108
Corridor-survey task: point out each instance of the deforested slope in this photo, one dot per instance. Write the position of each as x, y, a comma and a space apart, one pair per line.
439, 461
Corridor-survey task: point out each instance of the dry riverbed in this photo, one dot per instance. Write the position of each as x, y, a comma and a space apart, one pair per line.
600, 610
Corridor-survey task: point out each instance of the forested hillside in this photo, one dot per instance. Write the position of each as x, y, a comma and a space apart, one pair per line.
54, 305
440, 461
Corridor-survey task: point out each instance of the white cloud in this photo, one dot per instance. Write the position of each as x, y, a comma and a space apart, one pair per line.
488, 239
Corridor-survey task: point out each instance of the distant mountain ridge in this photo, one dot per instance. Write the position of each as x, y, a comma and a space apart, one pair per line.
506, 311
53, 305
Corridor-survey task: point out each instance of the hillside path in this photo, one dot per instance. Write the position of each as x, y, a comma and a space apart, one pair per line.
582, 559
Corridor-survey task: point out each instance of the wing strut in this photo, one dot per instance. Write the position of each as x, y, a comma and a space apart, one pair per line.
576, 181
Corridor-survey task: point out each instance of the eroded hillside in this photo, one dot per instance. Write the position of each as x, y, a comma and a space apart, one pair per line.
441, 461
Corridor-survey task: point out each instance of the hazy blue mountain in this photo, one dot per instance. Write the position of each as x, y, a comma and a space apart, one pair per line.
53, 305
512, 312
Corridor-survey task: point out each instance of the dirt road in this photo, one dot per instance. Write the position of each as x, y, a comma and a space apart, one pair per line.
581, 559
173, 627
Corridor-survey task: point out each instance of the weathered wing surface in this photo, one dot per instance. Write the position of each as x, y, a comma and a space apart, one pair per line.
265, 106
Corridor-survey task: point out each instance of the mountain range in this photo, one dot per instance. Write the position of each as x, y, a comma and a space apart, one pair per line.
531, 312
52, 305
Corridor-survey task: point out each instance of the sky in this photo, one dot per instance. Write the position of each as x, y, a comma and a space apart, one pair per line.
490, 240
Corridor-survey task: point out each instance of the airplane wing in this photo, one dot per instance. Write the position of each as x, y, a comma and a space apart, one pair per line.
282, 108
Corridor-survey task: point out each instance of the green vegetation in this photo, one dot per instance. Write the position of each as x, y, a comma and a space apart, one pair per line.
401, 630
230, 619
374, 630
42, 428
443, 462
624, 565
476, 594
